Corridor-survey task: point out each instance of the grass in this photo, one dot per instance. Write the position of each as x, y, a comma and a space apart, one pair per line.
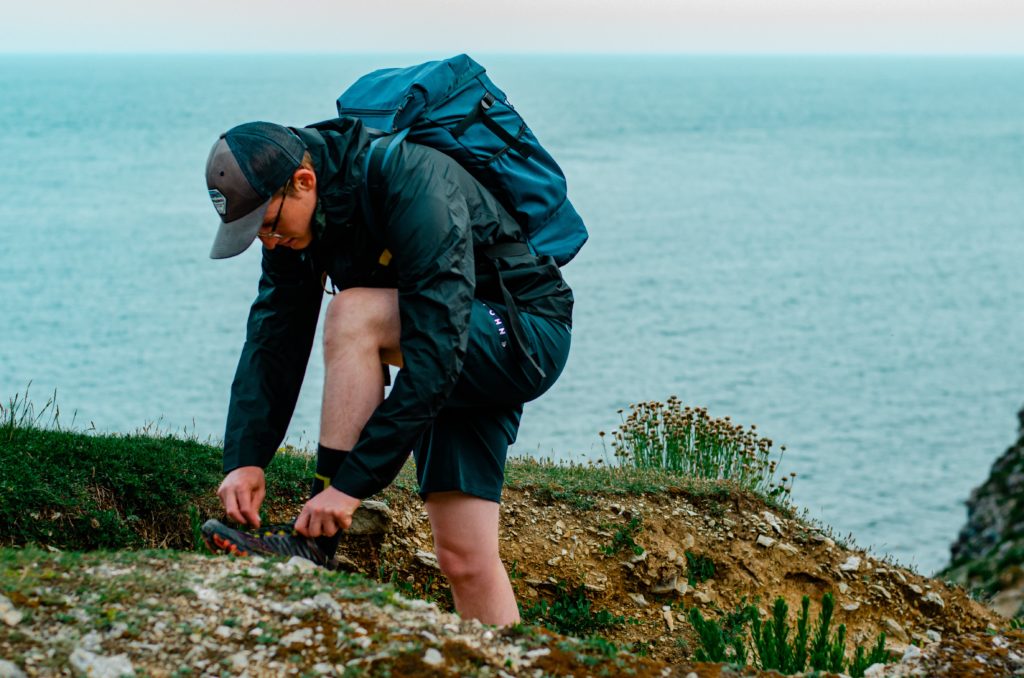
699, 568
78, 491
623, 538
570, 613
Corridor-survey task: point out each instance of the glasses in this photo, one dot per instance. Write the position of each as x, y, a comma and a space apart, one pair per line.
273, 226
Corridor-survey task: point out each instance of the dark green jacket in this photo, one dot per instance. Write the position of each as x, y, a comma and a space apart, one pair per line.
433, 220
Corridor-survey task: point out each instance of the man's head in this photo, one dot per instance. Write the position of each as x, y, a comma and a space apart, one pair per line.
262, 184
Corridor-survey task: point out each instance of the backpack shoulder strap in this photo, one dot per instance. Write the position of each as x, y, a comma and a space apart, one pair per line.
377, 156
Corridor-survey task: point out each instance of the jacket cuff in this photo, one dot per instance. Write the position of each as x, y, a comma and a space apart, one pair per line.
355, 480
233, 460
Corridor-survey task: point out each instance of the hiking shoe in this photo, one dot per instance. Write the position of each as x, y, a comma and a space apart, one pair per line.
272, 540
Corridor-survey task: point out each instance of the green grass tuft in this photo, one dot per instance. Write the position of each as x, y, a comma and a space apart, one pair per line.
570, 613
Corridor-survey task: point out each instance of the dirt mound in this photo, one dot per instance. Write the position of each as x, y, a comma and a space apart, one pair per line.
648, 558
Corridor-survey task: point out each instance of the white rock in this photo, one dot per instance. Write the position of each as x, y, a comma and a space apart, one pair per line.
239, 660
880, 590
875, 671
851, 607
667, 586
935, 599
843, 588
894, 629
92, 641
911, 653
301, 564
297, 637
666, 612
433, 657
95, 666
538, 653
772, 520
765, 541
788, 548
207, 595
223, 631
852, 564
427, 558
323, 668
933, 635
9, 669
9, 613
638, 598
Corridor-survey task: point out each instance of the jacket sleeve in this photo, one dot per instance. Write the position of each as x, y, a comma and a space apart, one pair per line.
279, 336
428, 233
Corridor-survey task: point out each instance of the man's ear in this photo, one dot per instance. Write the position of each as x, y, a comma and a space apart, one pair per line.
304, 179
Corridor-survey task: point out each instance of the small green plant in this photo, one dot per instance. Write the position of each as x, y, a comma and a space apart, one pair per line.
570, 613
698, 568
195, 522
877, 655
716, 643
623, 538
772, 644
689, 442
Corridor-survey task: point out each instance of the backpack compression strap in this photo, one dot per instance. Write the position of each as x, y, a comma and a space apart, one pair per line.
479, 113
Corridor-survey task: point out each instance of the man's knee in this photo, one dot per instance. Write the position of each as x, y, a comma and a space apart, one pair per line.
461, 564
360, 316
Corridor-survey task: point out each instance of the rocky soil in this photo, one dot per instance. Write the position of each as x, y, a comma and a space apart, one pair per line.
170, 613
988, 556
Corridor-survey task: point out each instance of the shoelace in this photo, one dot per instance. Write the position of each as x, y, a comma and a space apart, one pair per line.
284, 538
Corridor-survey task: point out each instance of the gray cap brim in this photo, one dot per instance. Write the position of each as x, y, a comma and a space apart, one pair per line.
234, 237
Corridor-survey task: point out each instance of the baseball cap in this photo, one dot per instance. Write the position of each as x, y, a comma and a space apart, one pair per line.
247, 165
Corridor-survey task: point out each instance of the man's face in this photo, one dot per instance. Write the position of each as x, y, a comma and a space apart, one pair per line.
289, 217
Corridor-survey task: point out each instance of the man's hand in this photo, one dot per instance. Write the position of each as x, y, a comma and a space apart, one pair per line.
242, 493
326, 513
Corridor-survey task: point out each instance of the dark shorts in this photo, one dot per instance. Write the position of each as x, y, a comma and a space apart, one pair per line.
464, 448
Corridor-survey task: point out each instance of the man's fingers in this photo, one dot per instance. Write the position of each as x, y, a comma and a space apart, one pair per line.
249, 517
231, 506
329, 527
315, 525
302, 522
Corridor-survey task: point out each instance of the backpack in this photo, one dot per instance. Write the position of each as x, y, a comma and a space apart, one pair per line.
452, 106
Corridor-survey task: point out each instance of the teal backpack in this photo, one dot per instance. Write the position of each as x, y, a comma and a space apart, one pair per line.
452, 106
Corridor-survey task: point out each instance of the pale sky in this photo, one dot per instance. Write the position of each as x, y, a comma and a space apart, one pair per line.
538, 26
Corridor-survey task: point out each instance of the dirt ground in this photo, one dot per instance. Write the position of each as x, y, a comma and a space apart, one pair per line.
757, 555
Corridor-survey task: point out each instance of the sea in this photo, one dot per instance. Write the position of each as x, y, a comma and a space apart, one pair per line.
829, 248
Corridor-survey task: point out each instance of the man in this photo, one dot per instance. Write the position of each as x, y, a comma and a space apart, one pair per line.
438, 282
